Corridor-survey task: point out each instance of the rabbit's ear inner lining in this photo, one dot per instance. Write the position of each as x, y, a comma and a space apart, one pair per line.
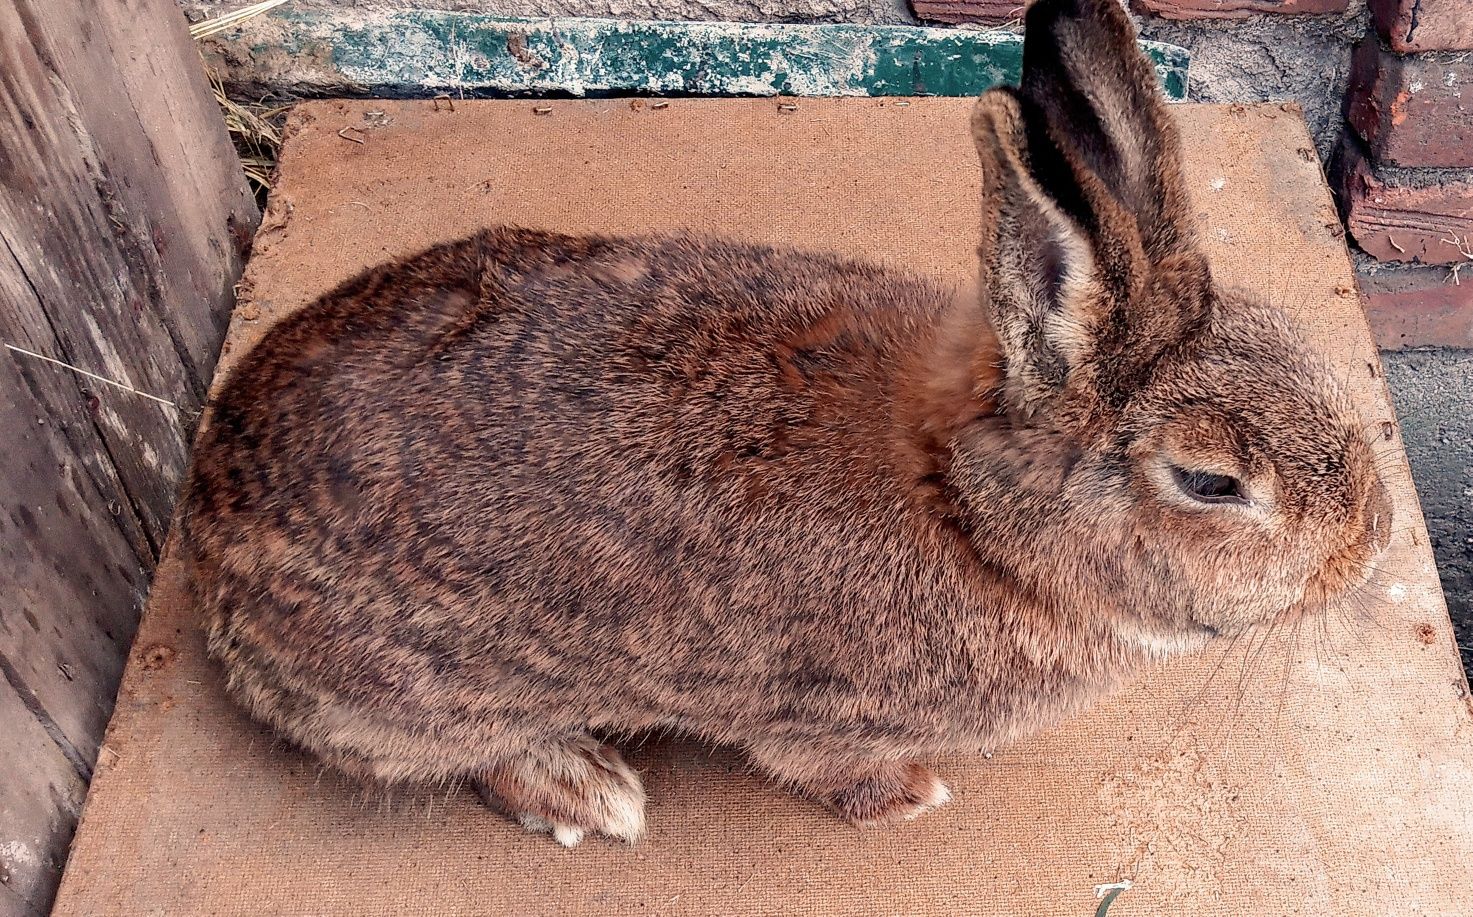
1047, 294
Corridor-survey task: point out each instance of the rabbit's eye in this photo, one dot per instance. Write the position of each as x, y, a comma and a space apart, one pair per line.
1206, 487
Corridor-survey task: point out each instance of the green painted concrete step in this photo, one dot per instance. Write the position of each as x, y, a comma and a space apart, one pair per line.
418, 52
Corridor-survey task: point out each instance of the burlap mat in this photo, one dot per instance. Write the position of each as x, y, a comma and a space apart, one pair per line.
1334, 777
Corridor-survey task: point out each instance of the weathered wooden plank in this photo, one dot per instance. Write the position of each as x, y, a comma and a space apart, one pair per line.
414, 52
40, 396
124, 219
89, 213
40, 797
13, 905
75, 572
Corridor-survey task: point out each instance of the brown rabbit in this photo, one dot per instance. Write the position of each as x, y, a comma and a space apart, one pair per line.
473, 509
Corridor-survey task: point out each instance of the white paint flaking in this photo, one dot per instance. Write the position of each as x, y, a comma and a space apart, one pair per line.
17, 853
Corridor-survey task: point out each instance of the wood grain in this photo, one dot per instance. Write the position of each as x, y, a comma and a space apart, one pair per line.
37, 823
124, 219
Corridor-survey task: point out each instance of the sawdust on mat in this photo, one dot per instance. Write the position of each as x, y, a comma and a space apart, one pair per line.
1175, 817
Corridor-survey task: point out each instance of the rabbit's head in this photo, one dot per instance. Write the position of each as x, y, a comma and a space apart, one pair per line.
1218, 454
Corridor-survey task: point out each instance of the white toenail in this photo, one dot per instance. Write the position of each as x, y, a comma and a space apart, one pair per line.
567, 835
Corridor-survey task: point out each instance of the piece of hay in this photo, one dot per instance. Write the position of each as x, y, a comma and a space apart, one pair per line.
229, 20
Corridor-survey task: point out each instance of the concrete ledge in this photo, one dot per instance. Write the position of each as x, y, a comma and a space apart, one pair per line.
406, 53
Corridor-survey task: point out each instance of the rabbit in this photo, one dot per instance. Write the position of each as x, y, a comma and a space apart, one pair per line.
477, 511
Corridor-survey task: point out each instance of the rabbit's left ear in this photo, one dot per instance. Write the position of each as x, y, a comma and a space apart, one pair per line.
1089, 269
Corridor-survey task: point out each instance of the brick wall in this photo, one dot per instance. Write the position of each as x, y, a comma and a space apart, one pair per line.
1404, 171
998, 12
1394, 85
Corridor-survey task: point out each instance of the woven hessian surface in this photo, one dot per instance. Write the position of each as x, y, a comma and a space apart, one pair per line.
1331, 777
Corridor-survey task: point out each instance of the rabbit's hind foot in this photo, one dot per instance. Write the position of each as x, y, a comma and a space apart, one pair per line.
896, 791
567, 788
862, 792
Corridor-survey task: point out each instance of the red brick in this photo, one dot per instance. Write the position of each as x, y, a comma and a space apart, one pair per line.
1406, 219
1236, 9
995, 12
1413, 110
1418, 306
1425, 25
991, 12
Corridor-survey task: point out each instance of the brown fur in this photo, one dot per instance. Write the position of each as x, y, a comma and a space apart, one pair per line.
476, 507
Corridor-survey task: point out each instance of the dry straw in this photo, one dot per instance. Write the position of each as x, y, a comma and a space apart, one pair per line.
253, 128
94, 376
252, 125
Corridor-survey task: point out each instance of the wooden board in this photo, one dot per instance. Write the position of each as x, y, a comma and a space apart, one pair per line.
417, 52
124, 219
1332, 776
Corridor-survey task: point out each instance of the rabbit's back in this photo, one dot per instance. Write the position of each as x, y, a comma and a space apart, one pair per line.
609, 482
